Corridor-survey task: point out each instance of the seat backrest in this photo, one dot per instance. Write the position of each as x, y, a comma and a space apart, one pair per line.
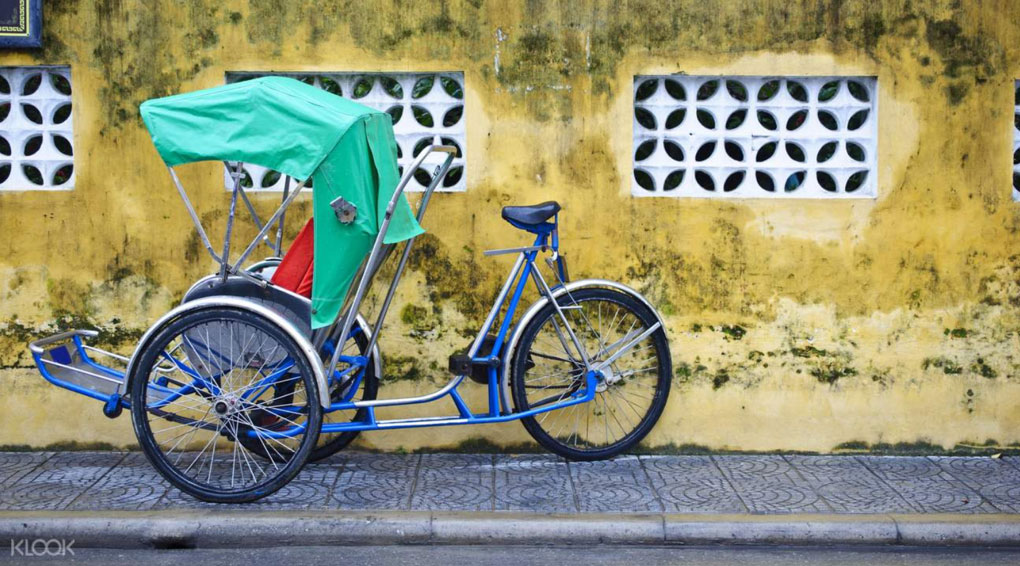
295, 270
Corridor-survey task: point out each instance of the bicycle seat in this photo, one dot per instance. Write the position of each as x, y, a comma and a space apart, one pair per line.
533, 214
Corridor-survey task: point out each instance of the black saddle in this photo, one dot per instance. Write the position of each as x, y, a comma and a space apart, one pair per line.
533, 214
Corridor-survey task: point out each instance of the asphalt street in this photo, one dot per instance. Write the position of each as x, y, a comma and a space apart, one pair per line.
537, 555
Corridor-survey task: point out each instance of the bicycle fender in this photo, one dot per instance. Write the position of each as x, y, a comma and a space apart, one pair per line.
233, 302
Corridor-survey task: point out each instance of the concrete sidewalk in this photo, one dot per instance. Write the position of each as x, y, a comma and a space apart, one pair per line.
108, 497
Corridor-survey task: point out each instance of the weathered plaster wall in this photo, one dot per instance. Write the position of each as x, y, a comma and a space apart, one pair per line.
806, 325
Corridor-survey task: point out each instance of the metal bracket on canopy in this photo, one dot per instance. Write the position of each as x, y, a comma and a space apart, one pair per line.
345, 211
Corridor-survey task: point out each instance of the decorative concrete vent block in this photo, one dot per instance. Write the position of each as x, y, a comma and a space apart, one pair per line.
426, 108
755, 137
1016, 141
36, 141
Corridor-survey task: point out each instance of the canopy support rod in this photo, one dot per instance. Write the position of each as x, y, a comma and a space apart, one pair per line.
269, 223
194, 215
279, 225
225, 264
374, 255
255, 216
440, 172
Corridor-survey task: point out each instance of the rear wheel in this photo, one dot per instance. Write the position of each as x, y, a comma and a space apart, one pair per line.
356, 388
631, 392
204, 382
351, 387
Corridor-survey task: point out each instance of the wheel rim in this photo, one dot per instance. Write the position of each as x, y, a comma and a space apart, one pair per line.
214, 381
627, 388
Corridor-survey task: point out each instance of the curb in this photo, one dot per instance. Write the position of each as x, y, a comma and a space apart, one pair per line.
245, 529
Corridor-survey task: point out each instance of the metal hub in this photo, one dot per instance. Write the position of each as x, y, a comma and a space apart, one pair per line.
606, 377
225, 406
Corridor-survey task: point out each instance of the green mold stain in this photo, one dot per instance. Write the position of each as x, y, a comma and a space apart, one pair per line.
831, 372
720, 378
948, 366
448, 279
808, 352
735, 332
404, 368
983, 369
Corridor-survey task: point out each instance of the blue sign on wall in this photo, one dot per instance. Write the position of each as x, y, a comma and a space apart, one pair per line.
20, 23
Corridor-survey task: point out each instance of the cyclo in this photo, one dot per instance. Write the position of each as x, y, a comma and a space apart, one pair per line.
266, 365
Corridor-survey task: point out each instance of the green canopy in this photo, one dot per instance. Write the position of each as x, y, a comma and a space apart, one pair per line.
299, 130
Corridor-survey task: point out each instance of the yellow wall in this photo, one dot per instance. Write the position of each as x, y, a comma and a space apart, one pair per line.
867, 291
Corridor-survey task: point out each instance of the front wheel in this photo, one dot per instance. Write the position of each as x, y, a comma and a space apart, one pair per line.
200, 392
631, 393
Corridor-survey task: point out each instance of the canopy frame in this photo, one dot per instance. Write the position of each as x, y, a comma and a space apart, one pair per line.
345, 318
226, 268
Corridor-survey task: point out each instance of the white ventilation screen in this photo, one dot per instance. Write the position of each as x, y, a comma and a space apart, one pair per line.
754, 137
36, 148
1016, 141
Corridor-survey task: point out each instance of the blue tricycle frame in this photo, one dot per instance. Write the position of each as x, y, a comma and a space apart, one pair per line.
65, 360
260, 378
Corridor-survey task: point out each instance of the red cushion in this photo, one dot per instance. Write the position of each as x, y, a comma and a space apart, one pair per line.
295, 270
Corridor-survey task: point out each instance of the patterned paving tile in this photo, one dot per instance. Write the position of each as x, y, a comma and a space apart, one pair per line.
691, 484
923, 483
848, 486
689, 467
14, 465
373, 481
864, 496
698, 495
534, 483
779, 495
373, 464
309, 490
752, 467
997, 480
941, 495
900, 468
456, 463
58, 481
1003, 496
825, 469
545, 483
978, 471
133, 485
769, 484
456, 482
620, 485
